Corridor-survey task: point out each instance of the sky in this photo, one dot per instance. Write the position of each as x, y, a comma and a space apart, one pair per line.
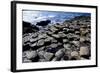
33, 16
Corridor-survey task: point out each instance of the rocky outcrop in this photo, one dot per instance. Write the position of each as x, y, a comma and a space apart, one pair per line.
43, 23
29, 28
70, 40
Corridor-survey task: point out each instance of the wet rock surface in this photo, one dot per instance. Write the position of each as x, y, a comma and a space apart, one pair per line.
70, 40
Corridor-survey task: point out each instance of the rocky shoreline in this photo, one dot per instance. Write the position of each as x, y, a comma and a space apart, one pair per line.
70, 40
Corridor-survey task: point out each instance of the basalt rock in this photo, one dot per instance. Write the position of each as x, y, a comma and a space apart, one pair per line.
48, 56
70, 40
30, 54
84, 51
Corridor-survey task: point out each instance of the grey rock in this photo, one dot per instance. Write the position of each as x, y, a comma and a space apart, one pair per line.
88, 39
53, 45
71, 30
55, 59
33, 39
68, 53
42, 35
40, 42
66, 25
59, 53
26, 38
59, 44
65, 40
74, 54
25, 60
49, 32
48, 39
53, 28
76, 43
62, 35
70, 35
34, 44
54, 41
41, 54
41, 48
70, 40
28, 43
48, 55
56, 36
30, 54
65, 29
76, 36
43, 60
77, 32
67, 46
34, 35
82, 39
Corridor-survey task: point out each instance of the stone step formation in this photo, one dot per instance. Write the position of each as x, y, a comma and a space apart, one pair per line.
70, 40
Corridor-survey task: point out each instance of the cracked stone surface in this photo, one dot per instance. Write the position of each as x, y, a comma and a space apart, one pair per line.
69, 40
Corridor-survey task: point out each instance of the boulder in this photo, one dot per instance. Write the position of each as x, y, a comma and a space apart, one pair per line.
48, 55
43, 23
76, 43
41, 54
67, 46
41, 48
48, 39
65, 29
65, 40
33, 45
34, 35
54, 41
40, 42
59, 53
84, 51
53, 45
29, 28
53, 29
33, 40
74, 54
77, 32
56, 36
62, 35
30, 54
26, 39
